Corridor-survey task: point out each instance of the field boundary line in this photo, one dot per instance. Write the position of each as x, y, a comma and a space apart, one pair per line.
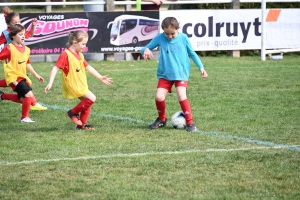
120, 155
248, 140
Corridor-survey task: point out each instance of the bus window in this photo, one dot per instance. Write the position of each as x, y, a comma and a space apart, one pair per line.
149, 22
127, 25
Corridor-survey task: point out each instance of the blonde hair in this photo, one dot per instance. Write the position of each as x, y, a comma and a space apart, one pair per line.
76, 36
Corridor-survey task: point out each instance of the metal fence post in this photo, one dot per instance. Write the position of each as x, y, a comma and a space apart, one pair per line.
235, 4
93, 8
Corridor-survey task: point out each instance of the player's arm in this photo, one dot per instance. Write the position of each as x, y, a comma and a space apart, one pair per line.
195, 58
104, 79
146, 51
5, 53
51, 79
33, 25
33, 72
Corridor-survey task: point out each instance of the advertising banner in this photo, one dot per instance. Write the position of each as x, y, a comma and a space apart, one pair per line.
220, 29
208, 30
108, 31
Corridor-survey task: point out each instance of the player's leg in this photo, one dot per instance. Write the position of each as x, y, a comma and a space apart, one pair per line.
36, 106
163, 87
25, 91
185, 107
3, 83
86, 101
10, 97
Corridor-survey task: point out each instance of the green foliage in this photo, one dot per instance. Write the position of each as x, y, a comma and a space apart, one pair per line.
247, 113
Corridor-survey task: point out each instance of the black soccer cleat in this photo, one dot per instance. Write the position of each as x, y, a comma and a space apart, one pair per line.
191, 128
158, 123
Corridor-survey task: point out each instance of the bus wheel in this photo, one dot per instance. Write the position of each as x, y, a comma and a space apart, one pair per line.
135, 40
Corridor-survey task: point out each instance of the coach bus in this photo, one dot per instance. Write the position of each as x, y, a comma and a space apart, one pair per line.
130, 29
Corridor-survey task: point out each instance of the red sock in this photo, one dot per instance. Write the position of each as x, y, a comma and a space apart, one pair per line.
161, 109
84, 115
26, 107
33, 100
11, 97
3, 83
82, 106
186, 109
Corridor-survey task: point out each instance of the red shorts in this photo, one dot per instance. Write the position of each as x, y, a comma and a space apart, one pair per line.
163, 83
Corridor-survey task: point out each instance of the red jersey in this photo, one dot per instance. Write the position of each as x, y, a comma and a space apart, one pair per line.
63, 61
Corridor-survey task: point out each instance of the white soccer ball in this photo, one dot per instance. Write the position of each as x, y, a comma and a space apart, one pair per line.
178, 120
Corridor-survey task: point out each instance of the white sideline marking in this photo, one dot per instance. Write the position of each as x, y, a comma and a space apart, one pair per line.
132, 155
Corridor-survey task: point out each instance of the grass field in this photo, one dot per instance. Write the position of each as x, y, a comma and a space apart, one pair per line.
247, 145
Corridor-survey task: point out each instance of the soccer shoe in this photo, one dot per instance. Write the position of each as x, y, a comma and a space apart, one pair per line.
1, 95
27, 120
74, 118
191, 128
38, 106
86, 127
158, 123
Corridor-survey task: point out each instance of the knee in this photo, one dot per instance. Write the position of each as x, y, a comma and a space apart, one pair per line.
29, 94
93, 98
159, 98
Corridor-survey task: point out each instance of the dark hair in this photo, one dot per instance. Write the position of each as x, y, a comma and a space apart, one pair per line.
170, 21
15, 29
76, 36
9, 14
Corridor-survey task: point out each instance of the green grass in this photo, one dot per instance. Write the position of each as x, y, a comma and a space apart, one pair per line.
247, 146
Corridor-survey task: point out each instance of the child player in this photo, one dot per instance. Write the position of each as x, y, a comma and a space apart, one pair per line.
12, 18
173, 69
74, 81
16, 61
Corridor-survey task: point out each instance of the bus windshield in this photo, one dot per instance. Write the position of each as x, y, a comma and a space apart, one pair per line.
115, 28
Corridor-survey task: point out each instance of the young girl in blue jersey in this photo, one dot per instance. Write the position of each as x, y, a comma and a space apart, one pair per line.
173, 69
74, 81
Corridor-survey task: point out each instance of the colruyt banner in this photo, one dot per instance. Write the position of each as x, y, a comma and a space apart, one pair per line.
208, 30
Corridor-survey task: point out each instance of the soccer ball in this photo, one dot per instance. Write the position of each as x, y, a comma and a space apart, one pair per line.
178, 120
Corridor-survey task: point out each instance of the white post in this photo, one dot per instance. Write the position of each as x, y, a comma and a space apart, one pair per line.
263, 30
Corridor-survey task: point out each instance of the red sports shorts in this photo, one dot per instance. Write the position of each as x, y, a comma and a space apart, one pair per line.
166, 84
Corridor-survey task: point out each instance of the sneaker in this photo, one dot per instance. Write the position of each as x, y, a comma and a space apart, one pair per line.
191, 128
74, 117
158, 123
1, 95
27, 120
85, 127
38, 106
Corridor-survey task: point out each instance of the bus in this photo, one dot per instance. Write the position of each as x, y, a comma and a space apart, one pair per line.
130, 29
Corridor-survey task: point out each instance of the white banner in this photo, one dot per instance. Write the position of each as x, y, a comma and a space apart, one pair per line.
210, 30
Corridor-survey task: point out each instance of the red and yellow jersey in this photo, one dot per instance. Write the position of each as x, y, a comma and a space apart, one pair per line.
74, 81
15, 63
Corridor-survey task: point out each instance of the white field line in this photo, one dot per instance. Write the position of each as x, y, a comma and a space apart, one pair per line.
2, 163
